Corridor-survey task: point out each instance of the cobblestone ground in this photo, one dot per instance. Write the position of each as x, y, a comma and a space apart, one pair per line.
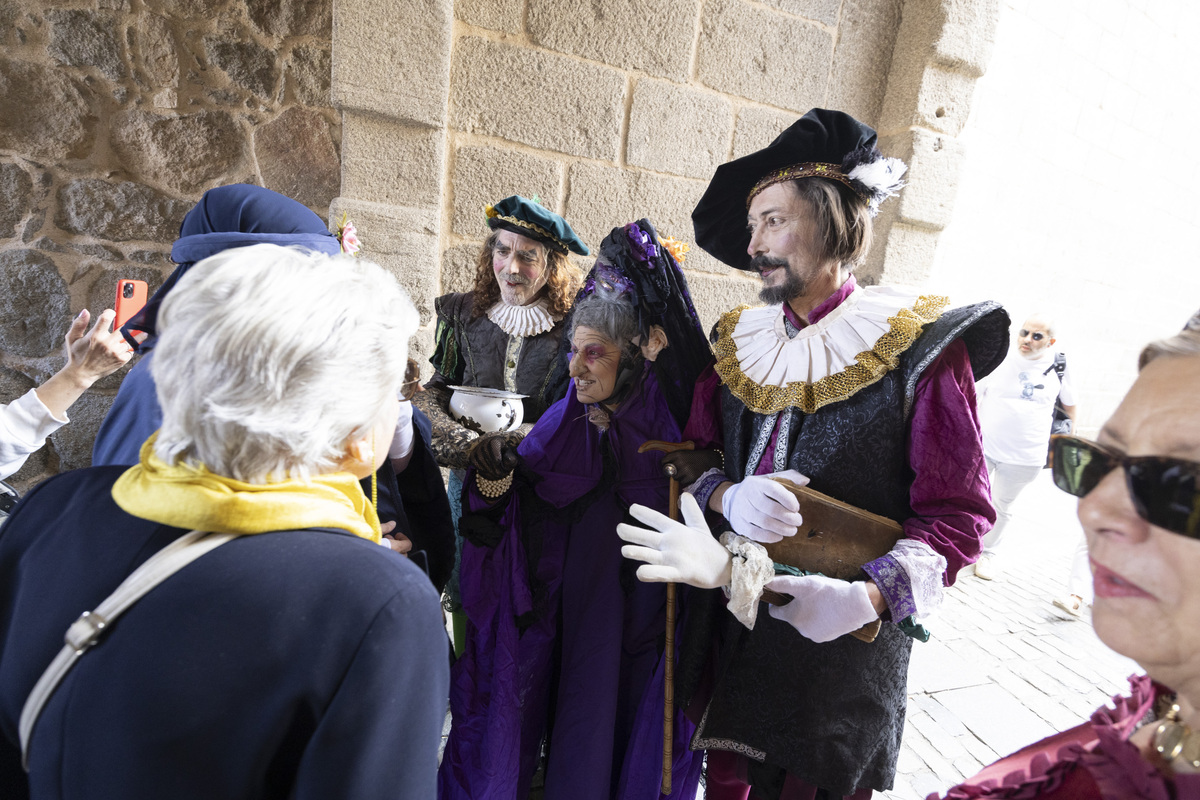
1005, 667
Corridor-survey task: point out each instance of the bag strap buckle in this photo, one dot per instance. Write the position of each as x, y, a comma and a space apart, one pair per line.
85, 631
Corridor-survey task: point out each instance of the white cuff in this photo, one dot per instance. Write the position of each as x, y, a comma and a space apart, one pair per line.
925, 569
402, 441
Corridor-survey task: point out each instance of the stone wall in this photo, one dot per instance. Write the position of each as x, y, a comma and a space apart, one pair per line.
1077, 198
115, 116
609, 110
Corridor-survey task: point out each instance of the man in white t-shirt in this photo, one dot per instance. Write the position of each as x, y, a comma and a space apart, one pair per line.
1016, 408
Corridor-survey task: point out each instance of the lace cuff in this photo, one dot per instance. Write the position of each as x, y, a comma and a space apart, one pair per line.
705, 485
751, 570
910, 578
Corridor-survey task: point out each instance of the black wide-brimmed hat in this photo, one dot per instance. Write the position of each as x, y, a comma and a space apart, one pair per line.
532, 219
821, 144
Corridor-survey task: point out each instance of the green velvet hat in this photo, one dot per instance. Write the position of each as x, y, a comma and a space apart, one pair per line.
523, 216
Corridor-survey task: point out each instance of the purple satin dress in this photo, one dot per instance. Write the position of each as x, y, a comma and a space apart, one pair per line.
604, 672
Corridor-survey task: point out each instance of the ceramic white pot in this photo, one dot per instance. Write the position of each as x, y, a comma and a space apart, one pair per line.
486, 410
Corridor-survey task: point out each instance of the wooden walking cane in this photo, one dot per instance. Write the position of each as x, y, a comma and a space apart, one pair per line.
669, 649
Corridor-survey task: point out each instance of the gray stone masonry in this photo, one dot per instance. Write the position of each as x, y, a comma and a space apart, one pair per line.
484, 175
536, 98
114, 119
386, 161
390, 63
678, 130
773, 58
652, 36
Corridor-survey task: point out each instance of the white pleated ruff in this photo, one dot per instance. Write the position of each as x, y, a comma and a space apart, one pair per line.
527, 320
769, 358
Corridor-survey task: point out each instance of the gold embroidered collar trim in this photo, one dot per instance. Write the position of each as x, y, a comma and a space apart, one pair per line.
849, 349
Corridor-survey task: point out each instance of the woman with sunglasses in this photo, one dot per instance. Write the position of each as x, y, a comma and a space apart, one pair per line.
1139, 503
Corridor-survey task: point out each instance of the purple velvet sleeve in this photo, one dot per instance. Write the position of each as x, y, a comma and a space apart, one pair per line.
950, 495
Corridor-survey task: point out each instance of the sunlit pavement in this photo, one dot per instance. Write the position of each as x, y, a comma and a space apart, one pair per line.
1005, 667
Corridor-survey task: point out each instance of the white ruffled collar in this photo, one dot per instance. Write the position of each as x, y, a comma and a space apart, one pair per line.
527, 320
858, 341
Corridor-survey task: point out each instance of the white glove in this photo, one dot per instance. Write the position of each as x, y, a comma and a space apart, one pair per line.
823, 608
760, 509
683, 552
400, 451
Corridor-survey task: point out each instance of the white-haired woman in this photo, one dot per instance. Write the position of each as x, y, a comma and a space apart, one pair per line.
299, 659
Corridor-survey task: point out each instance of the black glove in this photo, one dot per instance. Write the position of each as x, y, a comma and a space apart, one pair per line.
691, 464
493, 456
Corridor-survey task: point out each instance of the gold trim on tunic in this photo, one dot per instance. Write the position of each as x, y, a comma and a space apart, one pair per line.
869, 367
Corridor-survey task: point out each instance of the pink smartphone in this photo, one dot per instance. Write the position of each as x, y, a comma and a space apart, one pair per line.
131, 296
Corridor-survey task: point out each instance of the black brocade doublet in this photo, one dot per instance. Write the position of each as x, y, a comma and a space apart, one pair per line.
471, 351
831, 714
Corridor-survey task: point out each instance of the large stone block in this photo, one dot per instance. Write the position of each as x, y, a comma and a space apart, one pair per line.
86, 39
35, 307
483, 175
158, 55
495, 15
309, 72
401, 239
908, 257
653, 36
713, 295
119, 212
186, 153
763, 55
823, 11
393, 58
602, 198
542, 100
757, 128
863, 56
968, 35
935, 62
16, 197
678, 130
283, 18
459, 264
247, 63
43, 113
296, 157
192, 9
934, 162
390, 162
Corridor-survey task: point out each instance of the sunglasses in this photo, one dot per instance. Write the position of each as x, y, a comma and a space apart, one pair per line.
1037, 336
1165, 491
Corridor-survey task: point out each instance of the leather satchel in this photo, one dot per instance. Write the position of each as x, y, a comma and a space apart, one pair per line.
835, 539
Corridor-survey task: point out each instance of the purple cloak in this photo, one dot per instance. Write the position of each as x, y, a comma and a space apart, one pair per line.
594, 647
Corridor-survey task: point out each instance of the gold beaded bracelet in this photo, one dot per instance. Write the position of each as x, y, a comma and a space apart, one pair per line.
493, 489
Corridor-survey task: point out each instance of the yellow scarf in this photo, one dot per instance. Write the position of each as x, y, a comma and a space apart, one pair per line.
194, 498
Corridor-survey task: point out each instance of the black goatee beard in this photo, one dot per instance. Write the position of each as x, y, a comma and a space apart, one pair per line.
793, 285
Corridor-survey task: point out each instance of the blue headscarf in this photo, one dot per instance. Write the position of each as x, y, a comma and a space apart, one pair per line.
238, 215
229, 216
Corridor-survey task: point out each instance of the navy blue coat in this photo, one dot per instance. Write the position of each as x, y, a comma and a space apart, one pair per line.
305, 664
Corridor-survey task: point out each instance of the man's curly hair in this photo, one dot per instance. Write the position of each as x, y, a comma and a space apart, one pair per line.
562, 280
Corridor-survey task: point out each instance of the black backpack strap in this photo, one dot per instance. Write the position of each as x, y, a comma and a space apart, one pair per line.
1059, 366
